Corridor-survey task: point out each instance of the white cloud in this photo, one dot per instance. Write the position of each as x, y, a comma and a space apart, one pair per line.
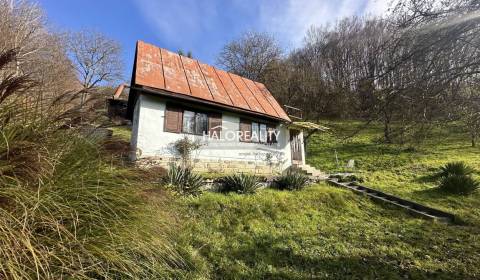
289, 21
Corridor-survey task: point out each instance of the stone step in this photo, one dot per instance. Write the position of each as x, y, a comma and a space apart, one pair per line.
410, 206
311, 171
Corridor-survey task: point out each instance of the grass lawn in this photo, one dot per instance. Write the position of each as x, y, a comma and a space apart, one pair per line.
321, 232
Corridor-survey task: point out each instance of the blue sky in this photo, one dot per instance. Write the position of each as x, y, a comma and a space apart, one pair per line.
200, 26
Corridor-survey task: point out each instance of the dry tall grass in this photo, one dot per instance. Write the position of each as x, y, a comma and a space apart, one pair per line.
64, 211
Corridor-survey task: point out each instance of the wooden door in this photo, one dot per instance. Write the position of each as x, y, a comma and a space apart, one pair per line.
296, 146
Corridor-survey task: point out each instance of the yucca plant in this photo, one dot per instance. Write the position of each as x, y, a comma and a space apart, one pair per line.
183, 180
291, 180
459, 184
240, 183
456, 178
454, 168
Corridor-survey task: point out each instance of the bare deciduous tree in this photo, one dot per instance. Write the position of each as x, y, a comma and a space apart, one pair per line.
35, 53
37, 80
467, 109
22, 29
250, 55
411, 70
96, 58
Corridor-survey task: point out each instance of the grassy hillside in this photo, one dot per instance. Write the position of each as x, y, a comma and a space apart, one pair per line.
68, 213
397, 169
321, 232
326, 232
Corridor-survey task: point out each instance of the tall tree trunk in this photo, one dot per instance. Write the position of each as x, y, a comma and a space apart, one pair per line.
386, 128
386, 133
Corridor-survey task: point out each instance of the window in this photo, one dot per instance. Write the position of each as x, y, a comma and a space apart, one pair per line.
201, 123
271, 135
189, 121
263, 133
257, 132
195, 123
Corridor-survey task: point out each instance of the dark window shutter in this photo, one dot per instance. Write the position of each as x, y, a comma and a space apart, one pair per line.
245, 127
215, 125
173, 119
271, 137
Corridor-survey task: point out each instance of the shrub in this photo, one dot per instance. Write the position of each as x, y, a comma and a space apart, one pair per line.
183, 180
458, 184
454, 168
185, 147
291, 180
240, 183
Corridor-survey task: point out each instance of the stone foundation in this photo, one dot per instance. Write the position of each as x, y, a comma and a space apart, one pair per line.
214, 166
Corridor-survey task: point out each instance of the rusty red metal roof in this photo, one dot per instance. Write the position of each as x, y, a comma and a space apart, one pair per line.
161, 69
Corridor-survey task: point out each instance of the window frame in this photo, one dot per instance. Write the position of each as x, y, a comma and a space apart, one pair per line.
195, 111
268, 140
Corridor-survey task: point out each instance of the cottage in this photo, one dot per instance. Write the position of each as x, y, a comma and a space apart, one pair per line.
237, 121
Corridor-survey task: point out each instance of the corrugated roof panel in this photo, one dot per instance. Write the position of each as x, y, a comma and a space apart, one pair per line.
175, 79
149, 69
246, 93
197, 83
272, 101
267, 107
232, 90
214, 84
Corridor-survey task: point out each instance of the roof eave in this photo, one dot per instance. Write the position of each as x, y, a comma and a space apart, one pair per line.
193, 99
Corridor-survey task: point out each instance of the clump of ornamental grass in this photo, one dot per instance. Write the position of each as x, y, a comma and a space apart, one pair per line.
63, 214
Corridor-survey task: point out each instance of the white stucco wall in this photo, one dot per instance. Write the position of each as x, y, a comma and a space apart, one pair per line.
150, 140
